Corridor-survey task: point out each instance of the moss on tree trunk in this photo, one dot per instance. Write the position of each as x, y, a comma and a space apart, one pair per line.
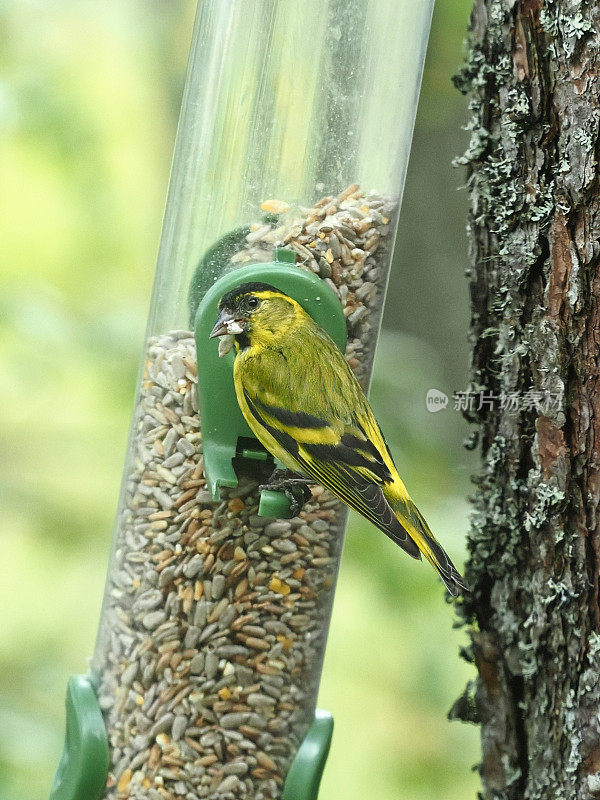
533, 75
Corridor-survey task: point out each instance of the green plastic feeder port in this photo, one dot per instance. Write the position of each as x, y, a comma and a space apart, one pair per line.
230, 448
216, 261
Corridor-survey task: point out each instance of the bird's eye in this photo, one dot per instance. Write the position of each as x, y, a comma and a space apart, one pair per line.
253, 303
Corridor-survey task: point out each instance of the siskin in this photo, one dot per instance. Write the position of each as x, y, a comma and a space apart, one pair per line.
304, 404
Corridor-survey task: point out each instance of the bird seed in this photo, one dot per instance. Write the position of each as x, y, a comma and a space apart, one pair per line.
215, 619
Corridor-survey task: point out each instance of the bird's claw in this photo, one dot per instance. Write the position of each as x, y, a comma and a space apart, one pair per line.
295, 489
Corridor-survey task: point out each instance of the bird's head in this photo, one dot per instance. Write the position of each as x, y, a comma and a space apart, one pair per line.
256, 313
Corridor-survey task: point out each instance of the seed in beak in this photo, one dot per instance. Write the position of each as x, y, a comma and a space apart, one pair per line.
221, 325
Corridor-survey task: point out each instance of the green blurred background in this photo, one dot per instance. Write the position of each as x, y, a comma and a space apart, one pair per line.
89, 97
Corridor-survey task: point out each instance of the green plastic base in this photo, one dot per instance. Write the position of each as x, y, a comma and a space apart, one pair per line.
83, 767
304, 778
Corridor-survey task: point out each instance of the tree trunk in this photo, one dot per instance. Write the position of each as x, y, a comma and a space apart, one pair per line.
533, 77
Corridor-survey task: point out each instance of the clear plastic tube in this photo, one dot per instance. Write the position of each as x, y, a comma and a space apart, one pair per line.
295, 127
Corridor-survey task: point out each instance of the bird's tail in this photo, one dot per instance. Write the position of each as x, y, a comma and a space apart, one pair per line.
412, 521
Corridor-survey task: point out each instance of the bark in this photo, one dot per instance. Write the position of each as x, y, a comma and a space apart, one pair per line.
533, 74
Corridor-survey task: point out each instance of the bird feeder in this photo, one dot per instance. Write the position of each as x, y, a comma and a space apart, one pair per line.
289, 164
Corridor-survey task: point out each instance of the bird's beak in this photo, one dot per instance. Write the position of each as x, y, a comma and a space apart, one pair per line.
226, 323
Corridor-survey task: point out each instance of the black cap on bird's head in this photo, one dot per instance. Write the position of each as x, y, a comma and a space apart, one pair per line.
234, 296
240, 304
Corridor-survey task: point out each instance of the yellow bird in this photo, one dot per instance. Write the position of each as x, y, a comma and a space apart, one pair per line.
304, 404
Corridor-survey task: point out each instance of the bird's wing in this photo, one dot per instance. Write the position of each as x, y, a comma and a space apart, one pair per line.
339, 455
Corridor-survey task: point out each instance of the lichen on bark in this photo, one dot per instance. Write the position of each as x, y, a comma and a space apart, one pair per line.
533, 76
